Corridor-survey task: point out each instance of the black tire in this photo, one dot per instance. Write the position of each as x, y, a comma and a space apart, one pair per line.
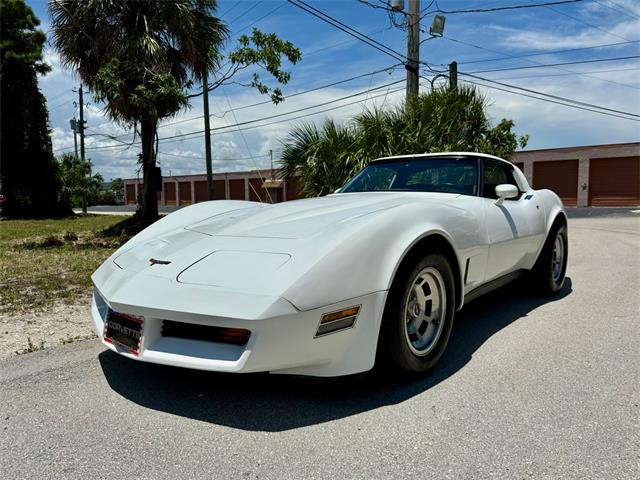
545, 278
395, 349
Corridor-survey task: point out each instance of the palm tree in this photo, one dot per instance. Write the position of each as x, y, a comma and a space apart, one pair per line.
139, 57
443, 120
77, 181
323, 158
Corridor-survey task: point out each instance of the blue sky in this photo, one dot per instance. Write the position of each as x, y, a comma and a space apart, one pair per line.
474, 40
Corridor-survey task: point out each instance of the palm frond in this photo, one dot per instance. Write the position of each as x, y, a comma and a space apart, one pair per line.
442, 120
117, 47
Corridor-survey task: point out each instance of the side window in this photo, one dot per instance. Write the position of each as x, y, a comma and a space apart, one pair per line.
378, 179
496, 173
454, 176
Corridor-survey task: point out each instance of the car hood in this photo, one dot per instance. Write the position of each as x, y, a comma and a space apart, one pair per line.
257, 248
306, 218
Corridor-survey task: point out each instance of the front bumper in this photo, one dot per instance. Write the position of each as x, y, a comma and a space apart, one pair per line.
281, 342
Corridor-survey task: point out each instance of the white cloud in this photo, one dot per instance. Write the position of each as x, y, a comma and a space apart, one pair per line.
561, 38
548, 124
627, 8
552, 125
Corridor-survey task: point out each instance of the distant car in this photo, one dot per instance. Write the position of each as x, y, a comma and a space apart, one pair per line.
328, 286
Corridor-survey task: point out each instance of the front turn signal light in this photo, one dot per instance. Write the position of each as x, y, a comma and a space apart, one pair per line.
336, 321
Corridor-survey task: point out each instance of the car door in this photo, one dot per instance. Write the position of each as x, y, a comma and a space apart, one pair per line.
513, 226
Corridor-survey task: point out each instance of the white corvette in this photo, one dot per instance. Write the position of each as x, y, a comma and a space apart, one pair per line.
328, 286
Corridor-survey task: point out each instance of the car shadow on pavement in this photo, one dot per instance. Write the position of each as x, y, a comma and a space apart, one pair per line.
262, 402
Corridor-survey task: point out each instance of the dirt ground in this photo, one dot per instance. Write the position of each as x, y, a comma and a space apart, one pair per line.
24, 332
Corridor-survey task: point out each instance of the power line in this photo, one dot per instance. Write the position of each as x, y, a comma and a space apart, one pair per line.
246, 144
555, 97
59, 105
224, 127
623, 9
577, 62
271, 12
191, 157
587, 23
539, 63
371, 76
329, 19
571, 73
127, 145
111, 137
291, 111
264, 102
244, 139
546, 99
318, 50
356, 34
348, 30
230, 8
314, 89
313, 52
251, 127
496, 9
110, 122
533, 54
619, 10
246, 11
55, 97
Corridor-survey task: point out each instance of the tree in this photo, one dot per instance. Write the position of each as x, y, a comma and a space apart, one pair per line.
77, 182
116, 188
141, 58
27, 166
443, 120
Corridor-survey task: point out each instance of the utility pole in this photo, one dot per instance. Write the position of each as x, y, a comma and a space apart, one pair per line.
453, 75
207, 134
81, 126
271, 161
271, 191
413, 48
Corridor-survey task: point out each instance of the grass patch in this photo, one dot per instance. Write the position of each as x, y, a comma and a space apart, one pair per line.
43, 262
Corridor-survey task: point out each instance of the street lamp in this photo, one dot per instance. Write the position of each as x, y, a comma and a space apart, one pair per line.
437, 26
74, 126
397, 5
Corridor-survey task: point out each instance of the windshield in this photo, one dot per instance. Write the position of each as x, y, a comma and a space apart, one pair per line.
451, 175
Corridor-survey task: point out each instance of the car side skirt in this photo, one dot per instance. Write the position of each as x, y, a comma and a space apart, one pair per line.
493, 285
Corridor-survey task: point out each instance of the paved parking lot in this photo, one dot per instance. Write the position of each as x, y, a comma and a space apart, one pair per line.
529, 388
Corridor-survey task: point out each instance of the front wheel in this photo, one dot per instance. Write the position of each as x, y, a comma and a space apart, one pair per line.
418, 316
551, 266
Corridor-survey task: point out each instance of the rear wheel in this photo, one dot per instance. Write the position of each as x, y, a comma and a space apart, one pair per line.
418, 316
550, 268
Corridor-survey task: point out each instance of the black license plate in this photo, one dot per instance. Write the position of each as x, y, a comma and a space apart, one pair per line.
125, 330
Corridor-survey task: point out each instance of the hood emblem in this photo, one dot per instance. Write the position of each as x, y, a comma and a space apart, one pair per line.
153, 261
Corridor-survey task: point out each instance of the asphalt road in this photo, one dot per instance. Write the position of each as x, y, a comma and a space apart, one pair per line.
529, 388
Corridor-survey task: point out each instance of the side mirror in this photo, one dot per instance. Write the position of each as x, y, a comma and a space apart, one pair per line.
505, 191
